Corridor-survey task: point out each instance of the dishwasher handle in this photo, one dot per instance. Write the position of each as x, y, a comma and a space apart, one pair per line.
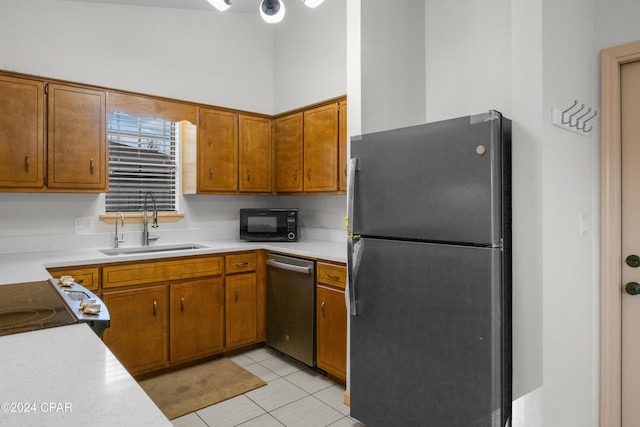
289, 267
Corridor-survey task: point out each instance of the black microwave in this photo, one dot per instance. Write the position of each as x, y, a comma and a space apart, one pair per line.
269, 225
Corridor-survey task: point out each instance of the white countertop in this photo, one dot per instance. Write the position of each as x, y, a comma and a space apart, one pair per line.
31, 266
66, 376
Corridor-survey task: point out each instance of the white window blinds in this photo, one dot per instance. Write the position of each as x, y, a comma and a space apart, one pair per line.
142, 157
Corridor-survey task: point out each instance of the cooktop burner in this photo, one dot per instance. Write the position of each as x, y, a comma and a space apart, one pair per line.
34, 305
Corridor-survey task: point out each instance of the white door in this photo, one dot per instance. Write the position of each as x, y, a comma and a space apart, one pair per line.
630, 287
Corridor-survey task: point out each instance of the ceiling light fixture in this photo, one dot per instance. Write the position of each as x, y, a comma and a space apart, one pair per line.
272, 11
221, 5
312, 3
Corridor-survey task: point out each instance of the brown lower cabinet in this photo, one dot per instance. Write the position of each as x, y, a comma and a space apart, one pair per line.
165, 311
172, 311
157, 325
196, 319
138, 335
242, 310
331, 320
177, 310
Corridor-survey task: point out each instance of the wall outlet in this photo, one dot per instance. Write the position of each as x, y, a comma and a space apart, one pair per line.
84, 225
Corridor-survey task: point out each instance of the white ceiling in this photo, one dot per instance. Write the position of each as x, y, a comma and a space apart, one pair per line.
236, 6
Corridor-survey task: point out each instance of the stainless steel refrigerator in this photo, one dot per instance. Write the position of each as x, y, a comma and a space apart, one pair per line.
430, 274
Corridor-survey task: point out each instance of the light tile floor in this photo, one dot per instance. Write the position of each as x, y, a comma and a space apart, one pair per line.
295, 396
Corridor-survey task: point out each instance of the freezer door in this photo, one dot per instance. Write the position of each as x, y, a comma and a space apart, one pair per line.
442, 181
430, 343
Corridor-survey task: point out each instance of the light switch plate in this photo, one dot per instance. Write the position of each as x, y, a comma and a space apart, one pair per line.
84, 225
584, 225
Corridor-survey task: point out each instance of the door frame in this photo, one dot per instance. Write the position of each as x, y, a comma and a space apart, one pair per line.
611, 231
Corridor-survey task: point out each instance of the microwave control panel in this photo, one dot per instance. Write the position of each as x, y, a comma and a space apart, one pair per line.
292, 225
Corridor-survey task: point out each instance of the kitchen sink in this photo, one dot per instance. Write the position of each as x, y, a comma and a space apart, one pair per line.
152, 249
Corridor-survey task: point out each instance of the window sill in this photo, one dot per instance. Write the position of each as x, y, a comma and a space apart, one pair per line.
136, 217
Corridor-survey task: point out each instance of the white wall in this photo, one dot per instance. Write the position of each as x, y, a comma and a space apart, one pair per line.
310, 55
392, 64
470, 73
228, 60
570, 372
526, 114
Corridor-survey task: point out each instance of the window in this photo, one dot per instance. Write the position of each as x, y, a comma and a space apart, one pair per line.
142, 158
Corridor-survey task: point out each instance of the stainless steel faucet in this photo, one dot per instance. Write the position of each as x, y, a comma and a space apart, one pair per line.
145, 221
116, 240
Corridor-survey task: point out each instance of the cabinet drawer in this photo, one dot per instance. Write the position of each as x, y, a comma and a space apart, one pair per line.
85, 276
160, 271
332, 274
240, 263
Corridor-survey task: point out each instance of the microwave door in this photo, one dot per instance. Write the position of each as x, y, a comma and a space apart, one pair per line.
269, 225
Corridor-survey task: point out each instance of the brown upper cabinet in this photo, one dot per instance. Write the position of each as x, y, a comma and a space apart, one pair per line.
21, 133
53, 138
309, 149
217, 152
233, 153
288, 153
77, 138
255, 154
321, 148
75, 159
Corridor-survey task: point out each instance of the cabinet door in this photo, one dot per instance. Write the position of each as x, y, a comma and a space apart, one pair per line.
21, 133
321, 148
331, 331
288, 153
138, 335
77, 138
197, 319
255, 154
241, 305
342, 147
217, 151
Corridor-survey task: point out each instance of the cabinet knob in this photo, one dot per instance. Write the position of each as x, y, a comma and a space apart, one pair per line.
181, 303
322, 308
26, 163
295, 174
309, 174
210, 173
237, 293
155, 308
248, 174
91, 166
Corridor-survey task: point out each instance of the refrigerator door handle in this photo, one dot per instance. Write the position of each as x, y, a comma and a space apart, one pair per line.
353, 163
354, 256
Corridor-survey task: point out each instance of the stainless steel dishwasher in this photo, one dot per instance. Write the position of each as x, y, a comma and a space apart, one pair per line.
291, 307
